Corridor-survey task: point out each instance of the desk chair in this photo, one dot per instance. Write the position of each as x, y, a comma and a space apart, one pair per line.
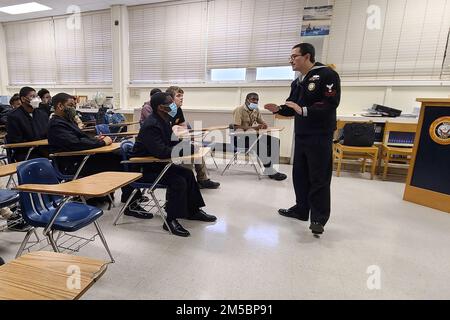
207, 144
341, 152
105, 129
398, 140
40, 211
126, 147
248, 152
9, 199
4, 155
9, 153
102, 129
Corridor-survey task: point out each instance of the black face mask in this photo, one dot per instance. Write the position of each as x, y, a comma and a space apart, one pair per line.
69, 113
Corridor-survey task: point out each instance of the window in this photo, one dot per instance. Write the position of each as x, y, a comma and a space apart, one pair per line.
275, 73
47, 52
84, 55
409, 45
236, 74
29, 60
446, 63
168, 42
252, 33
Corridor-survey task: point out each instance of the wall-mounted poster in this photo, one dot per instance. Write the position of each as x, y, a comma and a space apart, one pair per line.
316, 21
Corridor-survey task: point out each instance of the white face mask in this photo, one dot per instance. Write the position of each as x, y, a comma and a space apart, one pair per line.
253, 106
35, 102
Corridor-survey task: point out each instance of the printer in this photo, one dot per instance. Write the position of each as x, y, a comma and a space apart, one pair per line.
386, 111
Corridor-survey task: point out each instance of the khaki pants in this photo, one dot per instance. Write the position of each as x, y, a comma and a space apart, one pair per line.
200, 169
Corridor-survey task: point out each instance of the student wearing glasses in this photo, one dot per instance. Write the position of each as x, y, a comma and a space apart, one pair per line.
180, 123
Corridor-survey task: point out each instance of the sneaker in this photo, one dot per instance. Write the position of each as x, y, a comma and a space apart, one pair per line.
208, 184
140, 199
316, 228
2, 262
137, 211
17, 224
278, 176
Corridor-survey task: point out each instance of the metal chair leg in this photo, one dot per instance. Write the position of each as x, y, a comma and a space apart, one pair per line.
24, 242
230, 162
161, 213
111, 201
215, 163
102, 237
52, 241
254, 166
124, 207
36, 235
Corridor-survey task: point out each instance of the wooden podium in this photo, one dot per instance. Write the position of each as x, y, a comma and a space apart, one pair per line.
428, 181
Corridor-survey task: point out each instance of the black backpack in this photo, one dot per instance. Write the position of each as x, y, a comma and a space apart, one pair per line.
359, 134
100, 117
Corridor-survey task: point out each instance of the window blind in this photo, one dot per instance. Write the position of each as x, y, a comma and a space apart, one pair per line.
47, 51
168, 42
409, 45
250, 33
84, 55
30, 52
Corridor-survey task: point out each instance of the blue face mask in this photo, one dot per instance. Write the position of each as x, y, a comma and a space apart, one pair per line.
173, 110
253, 106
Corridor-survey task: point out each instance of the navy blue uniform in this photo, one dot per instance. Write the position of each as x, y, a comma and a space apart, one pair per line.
22, 126
65, 136
318, 93
183, 194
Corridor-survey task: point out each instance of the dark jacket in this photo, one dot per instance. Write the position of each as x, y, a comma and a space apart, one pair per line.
4, 111
21, 127
46, 108
66, 136
320, 93
155, 138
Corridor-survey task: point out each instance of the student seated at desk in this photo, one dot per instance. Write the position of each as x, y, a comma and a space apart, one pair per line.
15, 102
64, 136
203, 181
27, 123
147, 108
247, 117
46, 101
184, 199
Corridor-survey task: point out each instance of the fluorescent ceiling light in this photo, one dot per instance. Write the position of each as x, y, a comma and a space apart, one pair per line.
25, 8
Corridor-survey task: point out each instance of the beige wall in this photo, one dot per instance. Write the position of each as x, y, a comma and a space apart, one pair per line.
354, 98
224, 99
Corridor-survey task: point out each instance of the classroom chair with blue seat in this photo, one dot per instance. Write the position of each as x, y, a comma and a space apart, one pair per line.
126, 147
105, 129
207, 144
41, 211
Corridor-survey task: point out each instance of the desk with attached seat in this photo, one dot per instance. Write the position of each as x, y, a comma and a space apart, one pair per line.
28, 144
96, 185
49, 276
87, 154
169, 162
250, 150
